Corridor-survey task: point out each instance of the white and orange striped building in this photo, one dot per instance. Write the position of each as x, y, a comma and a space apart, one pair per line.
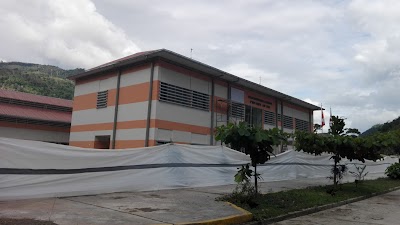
160, 96
34, 117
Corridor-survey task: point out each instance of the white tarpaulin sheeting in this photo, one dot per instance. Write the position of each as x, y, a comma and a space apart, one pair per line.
30, 169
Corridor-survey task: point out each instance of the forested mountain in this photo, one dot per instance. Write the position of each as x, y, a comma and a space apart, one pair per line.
388, 126
37, 79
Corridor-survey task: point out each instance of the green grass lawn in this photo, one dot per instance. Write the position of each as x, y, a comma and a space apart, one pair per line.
279, 203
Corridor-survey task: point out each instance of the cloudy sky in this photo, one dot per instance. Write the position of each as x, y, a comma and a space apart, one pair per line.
343, 54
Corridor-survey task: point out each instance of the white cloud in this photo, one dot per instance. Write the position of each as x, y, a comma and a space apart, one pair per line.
345, 54
70, 34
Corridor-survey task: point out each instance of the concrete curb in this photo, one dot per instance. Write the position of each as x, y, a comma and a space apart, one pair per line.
244, 217
317, 208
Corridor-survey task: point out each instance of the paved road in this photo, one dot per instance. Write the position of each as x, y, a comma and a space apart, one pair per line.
155, 207
382, 210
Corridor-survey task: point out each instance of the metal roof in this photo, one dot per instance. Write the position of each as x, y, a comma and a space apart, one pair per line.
195, 65
35, 98
27, 112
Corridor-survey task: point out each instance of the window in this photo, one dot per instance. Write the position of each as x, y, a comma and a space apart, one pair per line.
237, 110
253, 116
102, 97
287, 122
184, 97
269, 118
302, 125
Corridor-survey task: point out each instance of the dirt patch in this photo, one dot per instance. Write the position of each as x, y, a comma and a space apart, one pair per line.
10, 221
156, 196
118, 197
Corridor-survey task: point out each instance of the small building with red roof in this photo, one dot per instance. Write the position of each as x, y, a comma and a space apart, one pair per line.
33, 117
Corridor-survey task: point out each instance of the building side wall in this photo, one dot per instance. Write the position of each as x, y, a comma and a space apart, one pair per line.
168, 121
89, 122
47, 134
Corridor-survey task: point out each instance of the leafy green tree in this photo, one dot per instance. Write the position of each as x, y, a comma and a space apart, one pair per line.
341, 143
253, 141
317, 127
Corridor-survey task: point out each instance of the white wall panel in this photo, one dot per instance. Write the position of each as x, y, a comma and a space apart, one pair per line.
181, 136
126, 112
163, 135
200, 85
136, 111
295, 113
221, 91
137, 77
93, 116
200, 139
128, 79
172, 77
37, 135
181, 114
96, 86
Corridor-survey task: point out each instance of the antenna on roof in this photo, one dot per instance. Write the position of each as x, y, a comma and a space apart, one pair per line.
191, 51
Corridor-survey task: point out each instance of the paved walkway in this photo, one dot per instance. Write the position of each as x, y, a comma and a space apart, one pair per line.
155, 207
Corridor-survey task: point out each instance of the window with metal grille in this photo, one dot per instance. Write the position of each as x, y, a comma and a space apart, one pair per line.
279, 117
302, 125
287, 122
269, 117
102, 99
237, 110
184, 97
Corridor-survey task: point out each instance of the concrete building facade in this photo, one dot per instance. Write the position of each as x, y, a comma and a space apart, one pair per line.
33, 117
159, 96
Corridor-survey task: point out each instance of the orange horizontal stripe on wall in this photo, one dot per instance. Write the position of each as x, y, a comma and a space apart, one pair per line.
87, 101
92, 127
109, 126
82, 144
129, 94
168, 125
34, 127
154, 123
119, 144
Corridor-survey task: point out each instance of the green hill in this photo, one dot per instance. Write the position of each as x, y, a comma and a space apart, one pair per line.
37, 79
388, 126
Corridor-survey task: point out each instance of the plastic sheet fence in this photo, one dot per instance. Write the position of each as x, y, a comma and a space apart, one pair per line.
31, 169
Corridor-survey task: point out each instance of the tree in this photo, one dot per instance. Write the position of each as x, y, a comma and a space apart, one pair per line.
253, 141
317, 127
340, 143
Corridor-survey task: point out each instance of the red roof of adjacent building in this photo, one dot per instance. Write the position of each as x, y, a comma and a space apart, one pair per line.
35, 98
20, 111
30, 106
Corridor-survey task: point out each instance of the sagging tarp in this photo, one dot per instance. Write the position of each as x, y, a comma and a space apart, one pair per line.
30, 169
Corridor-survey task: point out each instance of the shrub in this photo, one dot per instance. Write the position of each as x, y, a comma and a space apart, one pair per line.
244, 194
393, 171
